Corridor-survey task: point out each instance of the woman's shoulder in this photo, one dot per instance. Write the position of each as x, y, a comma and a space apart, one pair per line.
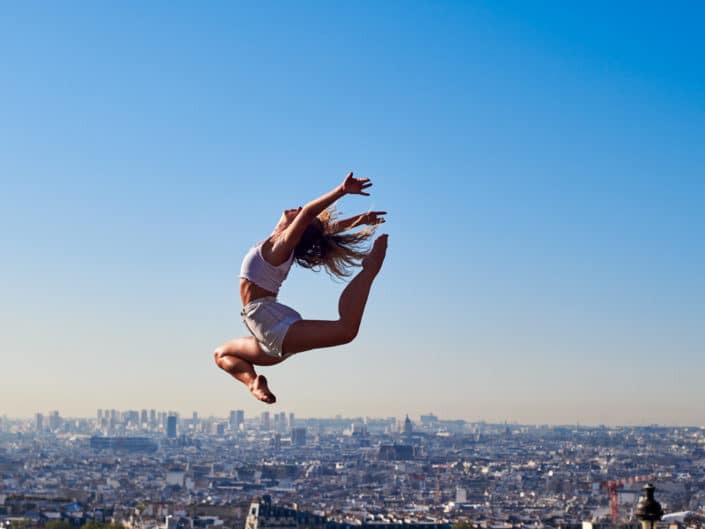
272, 251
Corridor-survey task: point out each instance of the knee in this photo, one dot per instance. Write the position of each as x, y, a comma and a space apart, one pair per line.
218, 355
348, 333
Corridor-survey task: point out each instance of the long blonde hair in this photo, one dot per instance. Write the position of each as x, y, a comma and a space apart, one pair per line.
338, 253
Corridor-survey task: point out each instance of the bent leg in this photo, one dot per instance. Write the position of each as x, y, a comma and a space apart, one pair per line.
304, 335
238, 358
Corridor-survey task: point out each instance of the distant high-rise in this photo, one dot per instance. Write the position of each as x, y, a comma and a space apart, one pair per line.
358, 429
54, 421
113, 419
281, 427
171, 426
39, 424
292, 420
131, 417
100, 419
235, 419
408, 426
298, 436
143, 418
264, 421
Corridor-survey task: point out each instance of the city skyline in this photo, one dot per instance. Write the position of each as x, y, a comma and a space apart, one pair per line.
207, 417
541, 163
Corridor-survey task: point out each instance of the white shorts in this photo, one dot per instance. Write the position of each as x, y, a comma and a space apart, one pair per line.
268, 321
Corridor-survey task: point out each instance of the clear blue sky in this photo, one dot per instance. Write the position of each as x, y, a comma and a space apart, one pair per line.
541, 162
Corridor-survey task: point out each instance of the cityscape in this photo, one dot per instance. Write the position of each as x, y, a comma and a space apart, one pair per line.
146, 469
189, 187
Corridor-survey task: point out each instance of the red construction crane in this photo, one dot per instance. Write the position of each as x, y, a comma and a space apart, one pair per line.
613, 484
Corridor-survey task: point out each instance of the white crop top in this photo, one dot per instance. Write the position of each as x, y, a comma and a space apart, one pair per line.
267, 276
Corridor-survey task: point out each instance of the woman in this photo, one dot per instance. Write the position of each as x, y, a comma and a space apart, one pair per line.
312, 237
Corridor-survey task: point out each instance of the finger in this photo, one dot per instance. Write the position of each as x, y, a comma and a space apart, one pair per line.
365, 194
362, 180
379, 212
366, 185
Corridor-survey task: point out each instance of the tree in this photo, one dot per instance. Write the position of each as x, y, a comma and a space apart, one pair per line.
92, 524
58, 524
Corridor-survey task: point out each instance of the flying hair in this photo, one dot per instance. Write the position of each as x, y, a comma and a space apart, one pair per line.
322, 247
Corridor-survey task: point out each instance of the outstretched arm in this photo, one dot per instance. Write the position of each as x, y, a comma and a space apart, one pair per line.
352, 186
372, 218
293, 233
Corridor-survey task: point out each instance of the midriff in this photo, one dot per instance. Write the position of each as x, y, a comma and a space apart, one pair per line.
250, 292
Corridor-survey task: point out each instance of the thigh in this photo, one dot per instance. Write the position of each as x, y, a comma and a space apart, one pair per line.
304, 335
248, 349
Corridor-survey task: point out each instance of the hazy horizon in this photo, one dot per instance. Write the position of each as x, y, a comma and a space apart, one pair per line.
187, 416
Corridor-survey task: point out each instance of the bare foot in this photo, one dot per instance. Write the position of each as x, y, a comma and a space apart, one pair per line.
260, 390
373, 260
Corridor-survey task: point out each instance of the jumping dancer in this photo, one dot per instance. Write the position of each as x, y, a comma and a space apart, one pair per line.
312, 237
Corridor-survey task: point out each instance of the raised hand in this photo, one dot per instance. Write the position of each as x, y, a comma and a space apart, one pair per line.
373, 218
356, 186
